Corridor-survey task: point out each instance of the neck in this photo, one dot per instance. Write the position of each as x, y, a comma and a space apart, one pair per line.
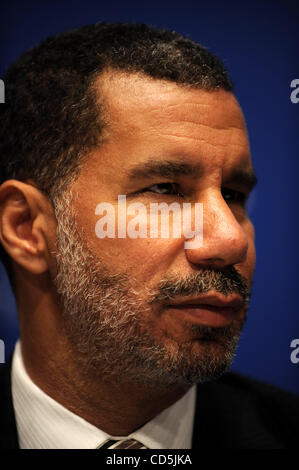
116, 407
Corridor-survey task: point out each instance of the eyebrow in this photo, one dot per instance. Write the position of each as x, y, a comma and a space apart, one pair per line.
174, 169
245, 178
165, 169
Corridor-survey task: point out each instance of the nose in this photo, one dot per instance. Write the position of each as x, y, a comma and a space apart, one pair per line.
224, 241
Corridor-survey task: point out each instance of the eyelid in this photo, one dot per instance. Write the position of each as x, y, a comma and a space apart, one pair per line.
147, 189
242, 195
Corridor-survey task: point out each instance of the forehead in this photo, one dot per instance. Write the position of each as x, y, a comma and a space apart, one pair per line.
149, 117
135, 99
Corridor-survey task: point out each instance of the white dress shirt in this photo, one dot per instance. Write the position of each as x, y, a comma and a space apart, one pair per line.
43, 423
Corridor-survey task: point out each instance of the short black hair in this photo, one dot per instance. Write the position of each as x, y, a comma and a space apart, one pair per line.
52, 116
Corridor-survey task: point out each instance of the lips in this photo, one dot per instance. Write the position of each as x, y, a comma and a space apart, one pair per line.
209, 309
214, 301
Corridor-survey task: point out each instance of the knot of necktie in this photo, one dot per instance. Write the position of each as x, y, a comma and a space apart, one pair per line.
122, 444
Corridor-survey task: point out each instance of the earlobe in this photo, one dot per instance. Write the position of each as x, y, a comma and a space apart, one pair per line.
20, 233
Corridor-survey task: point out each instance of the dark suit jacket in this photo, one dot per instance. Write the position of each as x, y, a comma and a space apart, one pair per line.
233, 412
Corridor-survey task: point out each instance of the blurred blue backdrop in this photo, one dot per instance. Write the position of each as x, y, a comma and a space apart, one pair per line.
258, 42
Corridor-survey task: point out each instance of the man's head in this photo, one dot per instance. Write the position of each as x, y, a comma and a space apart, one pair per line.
111, 110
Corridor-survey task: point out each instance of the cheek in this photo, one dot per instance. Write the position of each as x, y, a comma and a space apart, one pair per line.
145, 259
131, 247
251, 255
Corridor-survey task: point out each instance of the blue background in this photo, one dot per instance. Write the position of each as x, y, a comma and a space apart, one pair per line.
258, 42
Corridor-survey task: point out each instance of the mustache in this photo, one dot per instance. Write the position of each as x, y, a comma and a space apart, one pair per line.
226, 282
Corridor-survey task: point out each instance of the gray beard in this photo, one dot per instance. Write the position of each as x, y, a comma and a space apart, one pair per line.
110, 324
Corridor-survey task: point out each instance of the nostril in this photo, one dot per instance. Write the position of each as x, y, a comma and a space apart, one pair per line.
224, 243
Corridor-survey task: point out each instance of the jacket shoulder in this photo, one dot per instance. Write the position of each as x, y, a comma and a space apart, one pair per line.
256, 389
239, 412
8, 428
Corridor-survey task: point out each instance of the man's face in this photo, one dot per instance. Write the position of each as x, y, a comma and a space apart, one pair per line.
121, 295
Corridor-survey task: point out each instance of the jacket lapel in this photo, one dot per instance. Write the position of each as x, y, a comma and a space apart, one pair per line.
8, 428
229, 418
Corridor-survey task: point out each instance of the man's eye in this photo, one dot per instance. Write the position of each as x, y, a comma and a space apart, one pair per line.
232, 196
164, 188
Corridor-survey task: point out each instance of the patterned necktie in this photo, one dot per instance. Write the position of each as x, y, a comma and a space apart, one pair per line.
122, 444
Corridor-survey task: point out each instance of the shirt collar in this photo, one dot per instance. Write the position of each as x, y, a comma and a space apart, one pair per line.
43, 423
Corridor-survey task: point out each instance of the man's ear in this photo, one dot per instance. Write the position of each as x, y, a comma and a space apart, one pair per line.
25, 213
